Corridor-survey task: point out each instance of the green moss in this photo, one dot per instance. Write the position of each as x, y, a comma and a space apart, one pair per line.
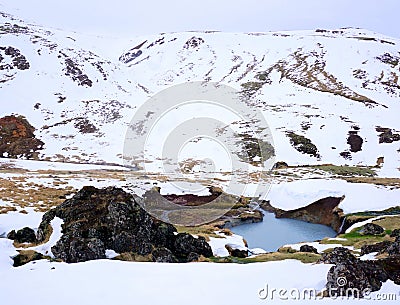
304, 257
303, 144
390, 211
250, 88
347, 170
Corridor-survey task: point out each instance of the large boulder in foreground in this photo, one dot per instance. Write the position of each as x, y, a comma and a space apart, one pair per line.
351, 276
99, 219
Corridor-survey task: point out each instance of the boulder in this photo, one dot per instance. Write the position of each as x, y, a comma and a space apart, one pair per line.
308, 248
378, 247
351, 275
17, 138
393, 249
26, 256
25, 235
355, 277
395, 233
109, 218
163, 255
371, 229
338, 255
236, 251
183, 244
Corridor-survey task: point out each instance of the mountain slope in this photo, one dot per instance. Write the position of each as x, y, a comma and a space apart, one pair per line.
328, 96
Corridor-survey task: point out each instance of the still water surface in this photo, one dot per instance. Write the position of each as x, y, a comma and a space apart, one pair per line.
272, 233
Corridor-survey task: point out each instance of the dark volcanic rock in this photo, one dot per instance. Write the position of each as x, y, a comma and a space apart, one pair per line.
26, 256
236, 252
164, 255
387, 135
395, 233
308, 248
109, 218
184, 244
354, 277
371, 229
378, 247
338, 255
355, 141
350, 275
393, 249
25, 235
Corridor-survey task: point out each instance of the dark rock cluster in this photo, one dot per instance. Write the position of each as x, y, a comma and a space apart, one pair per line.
109, 218
308, 248
371, 229
193, 42
18, 60
25, 235
354, 277
74, 71
387, 135
236, 251
355, 141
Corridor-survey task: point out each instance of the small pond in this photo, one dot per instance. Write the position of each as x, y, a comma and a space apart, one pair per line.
272, 233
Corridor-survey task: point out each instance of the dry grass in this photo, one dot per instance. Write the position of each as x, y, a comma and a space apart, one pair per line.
132, 257
394, 182
389, 223
206, 231
42, 198
304, 257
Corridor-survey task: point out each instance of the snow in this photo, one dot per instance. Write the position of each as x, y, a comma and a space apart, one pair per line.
45, 248
32, 165
115, 282
369, 256
217, 244
229, 58
111, 253
16, 220
358, 196
221, 58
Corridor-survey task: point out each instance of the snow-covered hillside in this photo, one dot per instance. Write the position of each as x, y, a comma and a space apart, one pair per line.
328, 96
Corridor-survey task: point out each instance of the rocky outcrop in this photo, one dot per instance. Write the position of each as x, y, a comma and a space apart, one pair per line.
25, 235
18, 61
109, 218
355, 277
308, 248
17, 138
380, 247
371, 229
236, 251
324, 211
355, 141
395, 233
387, 135
228, 210
26, 256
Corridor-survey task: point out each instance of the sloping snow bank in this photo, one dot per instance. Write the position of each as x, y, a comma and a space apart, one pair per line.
115, 282
358, 196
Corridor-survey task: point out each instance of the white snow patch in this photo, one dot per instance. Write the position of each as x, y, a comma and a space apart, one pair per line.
218, 244
369, 256
45, 248
111, 253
